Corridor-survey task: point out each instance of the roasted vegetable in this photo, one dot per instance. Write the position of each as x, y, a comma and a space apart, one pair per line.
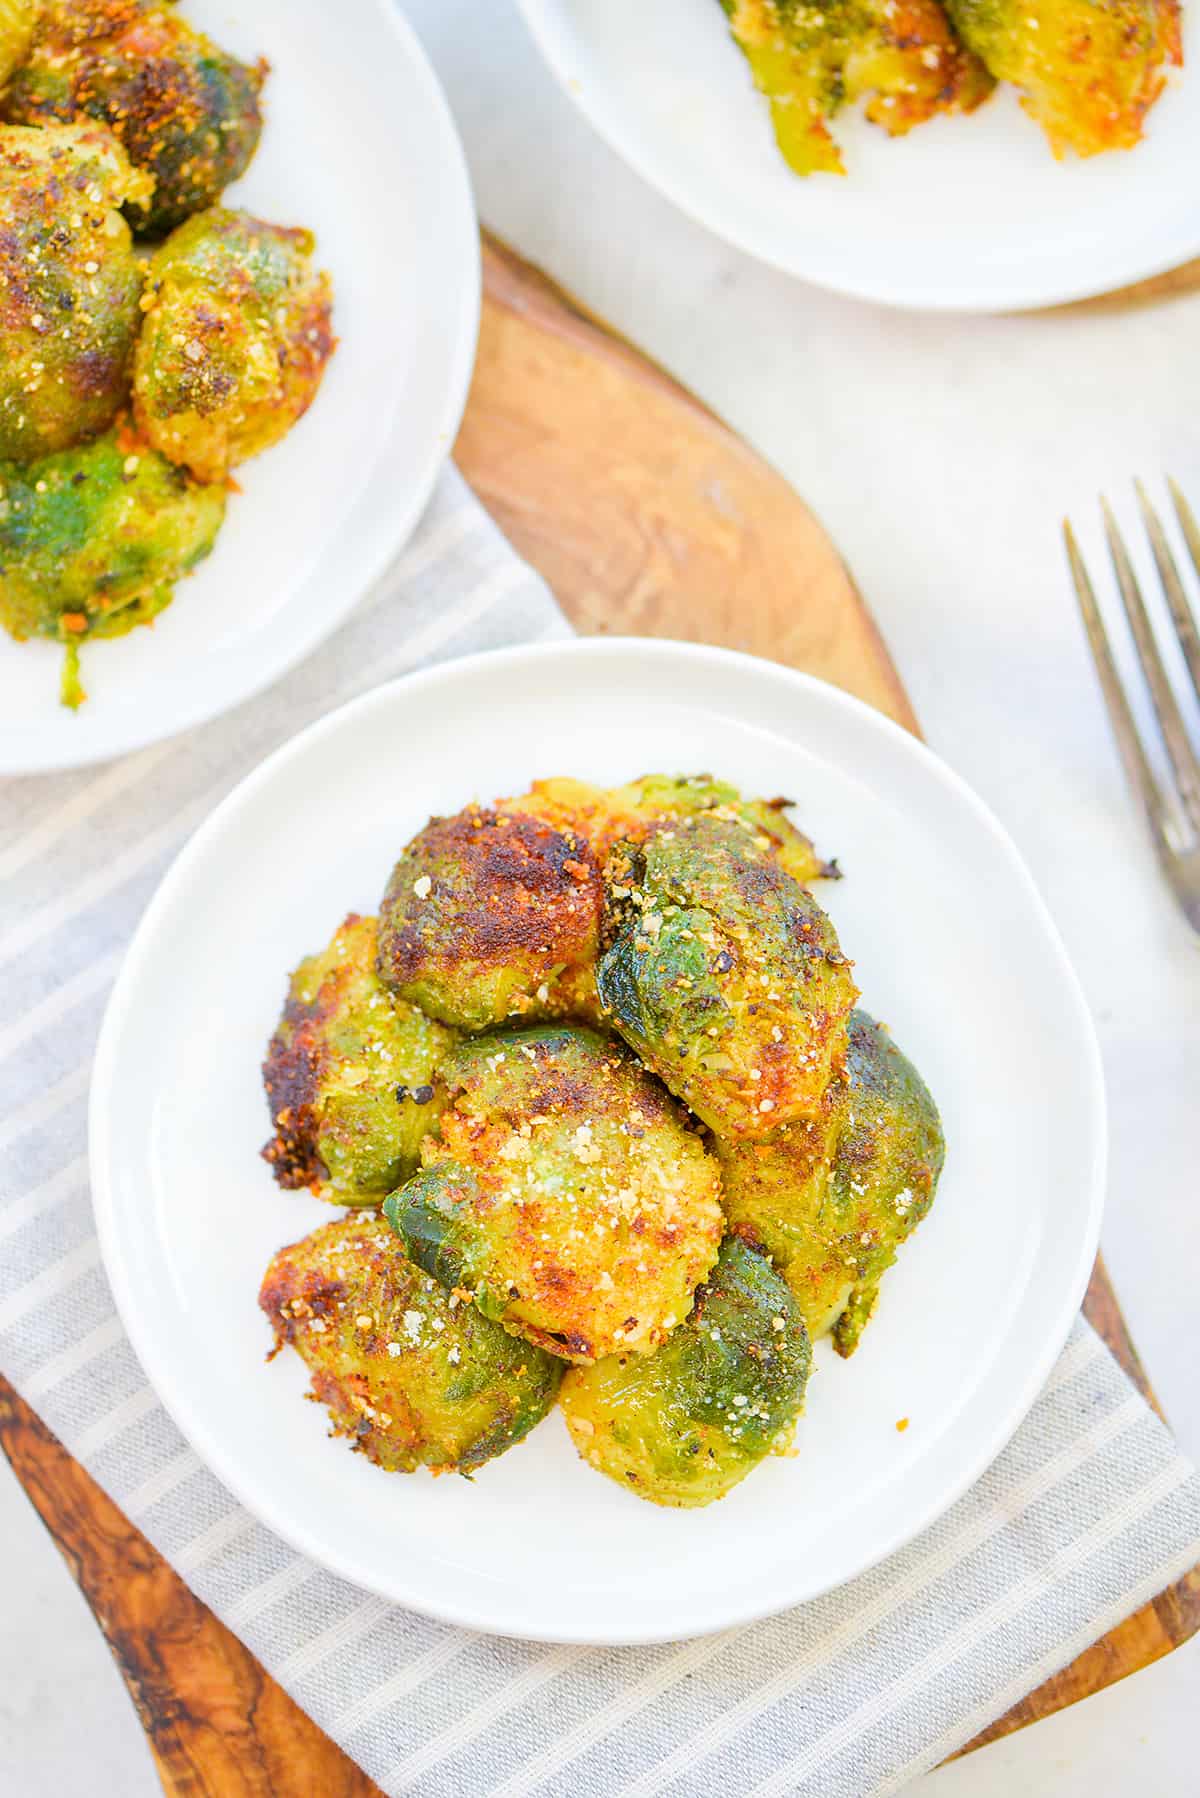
412, 1376
809, 57
1088, 70
69, 286
683, 1426
566, 1193
237, 334
92, 540
725, 975
186, 112
832, 1199
606, 815
351, 1076
488, 916
17, 19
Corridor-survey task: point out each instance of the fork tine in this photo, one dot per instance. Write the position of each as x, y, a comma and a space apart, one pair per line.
1140, 773
1177, 599
1166, 707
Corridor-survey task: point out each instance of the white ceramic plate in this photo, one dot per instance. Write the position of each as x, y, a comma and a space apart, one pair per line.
359, 145
953, 948
969, 214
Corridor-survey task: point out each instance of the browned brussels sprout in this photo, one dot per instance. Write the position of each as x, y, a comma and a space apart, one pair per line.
566, 1194
809, 57
17, 20
607, 815
186, 112
831, 1200
489, 916
725, 975
237, 334
1088, 70
413, 1377
351, 1076
69, 286
92, 540
683, 1426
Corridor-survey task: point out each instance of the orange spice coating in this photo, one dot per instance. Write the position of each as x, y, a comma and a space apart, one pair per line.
491, 915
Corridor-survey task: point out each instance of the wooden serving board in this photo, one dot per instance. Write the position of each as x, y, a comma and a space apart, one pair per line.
647, 515
1171, 285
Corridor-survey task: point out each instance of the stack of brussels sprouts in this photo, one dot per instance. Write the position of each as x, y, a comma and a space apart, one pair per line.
130, 383
608, 1128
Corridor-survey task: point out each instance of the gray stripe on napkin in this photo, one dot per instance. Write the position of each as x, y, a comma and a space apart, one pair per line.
1087, 1513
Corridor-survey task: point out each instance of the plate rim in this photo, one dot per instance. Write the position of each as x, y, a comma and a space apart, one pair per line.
175, 1401
539, 18
465, 310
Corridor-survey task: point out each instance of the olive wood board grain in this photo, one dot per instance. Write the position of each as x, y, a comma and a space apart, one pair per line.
1172, 284
646, 515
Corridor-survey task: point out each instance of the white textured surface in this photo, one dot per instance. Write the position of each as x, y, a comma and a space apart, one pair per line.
940, 455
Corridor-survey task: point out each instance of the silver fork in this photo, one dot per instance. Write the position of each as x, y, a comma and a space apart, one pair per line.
1174, 818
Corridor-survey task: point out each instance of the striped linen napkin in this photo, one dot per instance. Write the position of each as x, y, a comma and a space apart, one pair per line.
1087, 1513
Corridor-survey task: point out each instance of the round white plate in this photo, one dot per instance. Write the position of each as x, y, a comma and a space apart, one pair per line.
969, 214
360, 146
953, 949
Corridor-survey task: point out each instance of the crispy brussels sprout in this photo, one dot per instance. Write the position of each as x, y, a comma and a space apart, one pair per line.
17, 18
92, 540
351, 1076
809, 57
831, 1200
725, 975
1088, 70
683, 1426
186, 112
411, 1376
237, 334
566, 1194
489, 916
69, 286
606, 815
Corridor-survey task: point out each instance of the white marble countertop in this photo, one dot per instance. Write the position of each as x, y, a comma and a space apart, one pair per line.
941, 455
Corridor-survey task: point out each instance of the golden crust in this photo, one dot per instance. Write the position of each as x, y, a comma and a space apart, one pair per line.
411, 1377
809, 57
1088, 70
567, 1192
489, 916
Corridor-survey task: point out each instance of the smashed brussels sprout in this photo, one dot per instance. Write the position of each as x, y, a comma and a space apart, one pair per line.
411, 1377
69, 286
566, 1194
186, 112
17, 19
236, 337
606, 815
831, 1200
92, 540
725, 975
809, 57
1088, 70
488, 916
683, 1426
351, 1076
